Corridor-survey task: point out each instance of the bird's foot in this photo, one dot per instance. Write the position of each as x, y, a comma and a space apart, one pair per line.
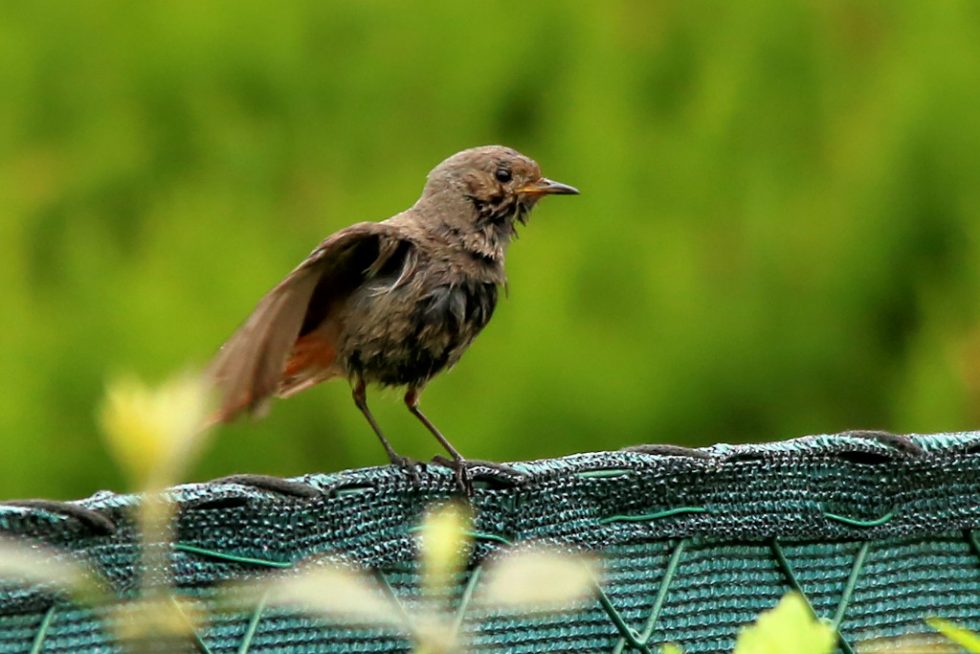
461, 473
411, 466
498, 475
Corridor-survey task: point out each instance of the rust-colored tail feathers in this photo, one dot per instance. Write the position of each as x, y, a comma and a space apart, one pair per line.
310, 362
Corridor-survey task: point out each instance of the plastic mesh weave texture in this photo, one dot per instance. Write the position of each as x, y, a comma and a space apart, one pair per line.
877, 532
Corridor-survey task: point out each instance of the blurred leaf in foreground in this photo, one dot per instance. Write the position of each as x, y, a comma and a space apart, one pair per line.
538, 579
962, 637
908, 644
790, 628
530, 578
333, 592
34, 564
155, 434
445, 547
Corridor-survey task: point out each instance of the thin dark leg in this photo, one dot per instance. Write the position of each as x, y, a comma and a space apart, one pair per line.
360, 399
459, 463
412, 402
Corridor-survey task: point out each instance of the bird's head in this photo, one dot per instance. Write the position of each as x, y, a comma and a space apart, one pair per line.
482, 192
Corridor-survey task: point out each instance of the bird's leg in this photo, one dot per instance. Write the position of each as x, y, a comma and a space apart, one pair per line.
360, 399
412, 402
459, 463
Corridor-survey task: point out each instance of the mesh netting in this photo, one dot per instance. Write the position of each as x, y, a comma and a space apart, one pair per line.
876, 532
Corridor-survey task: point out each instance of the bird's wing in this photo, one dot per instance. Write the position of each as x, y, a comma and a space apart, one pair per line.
248, 368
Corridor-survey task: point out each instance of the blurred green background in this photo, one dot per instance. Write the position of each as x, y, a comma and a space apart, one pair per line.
778, 229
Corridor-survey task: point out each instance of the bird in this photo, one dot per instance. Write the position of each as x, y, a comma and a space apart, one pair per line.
390, 303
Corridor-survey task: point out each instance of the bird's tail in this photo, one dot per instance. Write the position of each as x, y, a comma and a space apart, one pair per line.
310, 362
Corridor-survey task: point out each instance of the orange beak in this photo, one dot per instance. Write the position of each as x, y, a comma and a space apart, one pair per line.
545, 186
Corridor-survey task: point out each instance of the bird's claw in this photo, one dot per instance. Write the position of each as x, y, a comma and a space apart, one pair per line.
460, 470
507, 477
411, 466
462, 475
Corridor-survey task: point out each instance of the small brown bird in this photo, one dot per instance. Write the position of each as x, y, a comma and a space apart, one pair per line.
391, 303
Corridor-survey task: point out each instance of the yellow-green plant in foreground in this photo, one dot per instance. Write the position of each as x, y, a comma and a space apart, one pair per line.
154, 434
789, 628
46, 567
962, 637
529, 579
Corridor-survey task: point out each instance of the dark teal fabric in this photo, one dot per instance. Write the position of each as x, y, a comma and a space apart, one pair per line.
877, 532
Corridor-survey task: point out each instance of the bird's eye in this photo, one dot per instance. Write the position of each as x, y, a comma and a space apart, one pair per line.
502, 175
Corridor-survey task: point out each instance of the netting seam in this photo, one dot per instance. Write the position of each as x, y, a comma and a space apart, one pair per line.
626, 632
648, 517
669, 572
253, 626
787, 569
42, 630
852, 579
198, 641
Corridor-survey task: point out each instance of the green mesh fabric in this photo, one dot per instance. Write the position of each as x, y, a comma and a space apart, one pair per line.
877, 532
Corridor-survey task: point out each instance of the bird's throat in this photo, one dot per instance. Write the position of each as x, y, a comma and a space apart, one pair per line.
482, 228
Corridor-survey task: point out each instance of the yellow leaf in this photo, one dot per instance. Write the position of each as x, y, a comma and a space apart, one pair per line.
790, 628
539, 578
35, 564
908, 644
154, 434
332, 592
445, 547
434, 635
163, 617
962, 637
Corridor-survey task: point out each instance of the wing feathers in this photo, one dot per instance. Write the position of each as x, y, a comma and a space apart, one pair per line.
248, 366
251, 367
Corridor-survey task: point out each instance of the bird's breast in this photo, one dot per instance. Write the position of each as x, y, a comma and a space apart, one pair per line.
459, 306
405, 334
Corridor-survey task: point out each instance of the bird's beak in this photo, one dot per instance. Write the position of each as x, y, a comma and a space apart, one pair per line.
545, 186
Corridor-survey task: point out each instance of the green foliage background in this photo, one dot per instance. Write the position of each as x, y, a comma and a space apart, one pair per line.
778, 232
